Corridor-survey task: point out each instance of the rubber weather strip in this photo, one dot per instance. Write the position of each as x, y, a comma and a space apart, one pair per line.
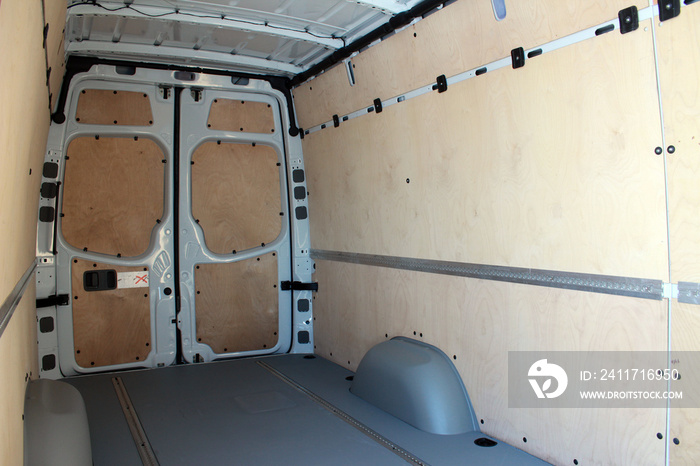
606, 284
376, 436
575, 38
148, 456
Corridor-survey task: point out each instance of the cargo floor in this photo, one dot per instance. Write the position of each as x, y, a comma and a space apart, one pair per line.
245, 412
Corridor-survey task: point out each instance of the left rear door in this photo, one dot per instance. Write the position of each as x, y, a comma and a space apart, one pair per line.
114, 230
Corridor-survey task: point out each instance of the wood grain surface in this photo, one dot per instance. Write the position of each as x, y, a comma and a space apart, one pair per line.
105, 107
110, 326
236, 304
236, 195
241, 116
112, 194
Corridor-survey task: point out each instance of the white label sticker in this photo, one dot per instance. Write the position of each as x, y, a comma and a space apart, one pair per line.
132, 279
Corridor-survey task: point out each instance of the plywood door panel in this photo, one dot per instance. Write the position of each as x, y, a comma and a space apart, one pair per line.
112, 194
476, 323
679, 74
111, 326
463, 36
550, 166
237, 304
110, 107
240, 115
236, 195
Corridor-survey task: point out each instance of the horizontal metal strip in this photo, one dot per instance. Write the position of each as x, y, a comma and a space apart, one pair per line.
12, 301
374, 435
689, 293
575, 38
143, 446
608, 284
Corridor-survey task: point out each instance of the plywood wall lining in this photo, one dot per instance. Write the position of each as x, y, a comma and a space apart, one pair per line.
24, 124
113, 194
240, 115
111, 326
478, 322
685, 425
55, 17
236, 304
463, 37
111, 107
550, 166
236, 195
679, 74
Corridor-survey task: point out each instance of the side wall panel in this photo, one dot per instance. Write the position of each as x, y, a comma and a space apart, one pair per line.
551, 166
24, 122
465, 37
679, 73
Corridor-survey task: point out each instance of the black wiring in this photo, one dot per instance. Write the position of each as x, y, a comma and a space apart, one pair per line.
223, 17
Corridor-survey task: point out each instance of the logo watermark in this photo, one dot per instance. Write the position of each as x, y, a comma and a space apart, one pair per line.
603, 379
547, 372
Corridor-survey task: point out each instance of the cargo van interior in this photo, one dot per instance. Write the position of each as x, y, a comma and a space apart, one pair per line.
325, 232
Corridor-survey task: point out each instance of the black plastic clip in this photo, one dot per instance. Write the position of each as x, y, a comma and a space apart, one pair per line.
440, 84
629, 19
298, 286
378, 105
301, 133
518, 57
336, 121
669, 9
46, 35
60, 300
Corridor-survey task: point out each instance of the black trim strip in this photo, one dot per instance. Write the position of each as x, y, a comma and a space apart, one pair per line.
176, 216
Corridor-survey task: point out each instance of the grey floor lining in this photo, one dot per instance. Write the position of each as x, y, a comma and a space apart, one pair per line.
237, 412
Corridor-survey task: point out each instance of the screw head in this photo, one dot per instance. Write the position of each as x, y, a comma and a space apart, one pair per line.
671, 149
658, 150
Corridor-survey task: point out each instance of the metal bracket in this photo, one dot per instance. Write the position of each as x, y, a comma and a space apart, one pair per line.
499, 9
351, 73
669, 291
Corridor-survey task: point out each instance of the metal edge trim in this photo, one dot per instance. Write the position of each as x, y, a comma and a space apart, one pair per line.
607, 284
12, 301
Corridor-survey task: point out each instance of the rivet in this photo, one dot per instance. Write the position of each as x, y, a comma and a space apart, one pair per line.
671, 149
658, 150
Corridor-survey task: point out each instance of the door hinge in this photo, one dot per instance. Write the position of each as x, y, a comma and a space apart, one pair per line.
298, 286
55, 300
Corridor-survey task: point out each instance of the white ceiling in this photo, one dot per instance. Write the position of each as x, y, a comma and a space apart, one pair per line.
279, 37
